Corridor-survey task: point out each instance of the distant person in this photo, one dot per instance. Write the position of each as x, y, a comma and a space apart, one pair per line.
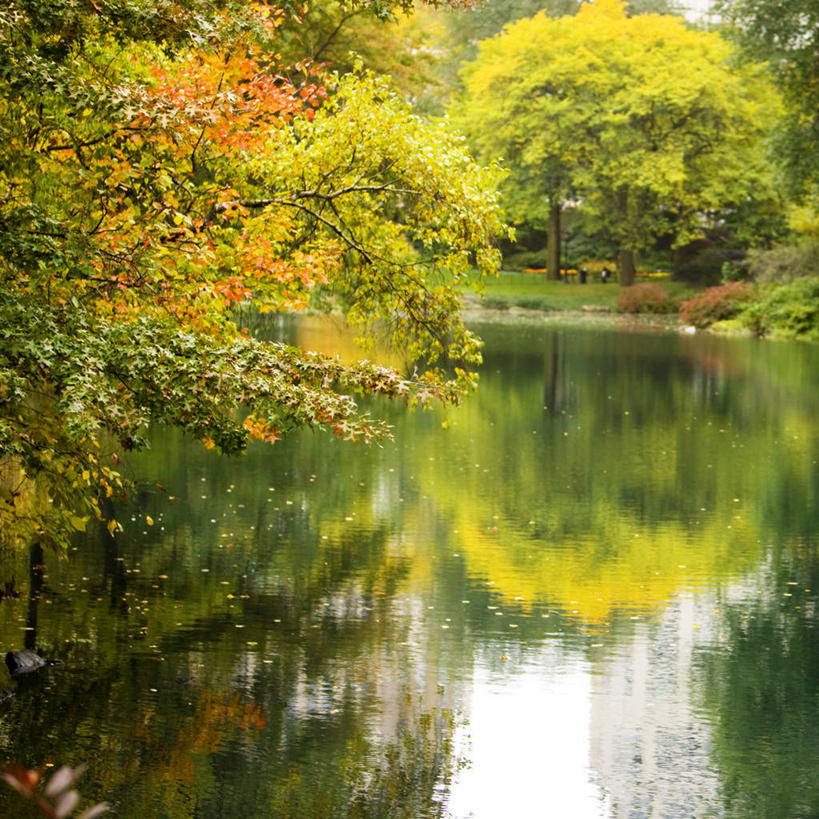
582, 274
604, 275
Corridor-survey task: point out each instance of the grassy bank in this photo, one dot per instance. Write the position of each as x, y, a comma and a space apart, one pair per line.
772, 310
534, 291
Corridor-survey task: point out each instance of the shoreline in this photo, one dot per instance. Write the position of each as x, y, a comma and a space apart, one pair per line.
474, 312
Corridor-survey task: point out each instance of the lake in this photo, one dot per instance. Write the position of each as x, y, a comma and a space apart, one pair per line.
591, 591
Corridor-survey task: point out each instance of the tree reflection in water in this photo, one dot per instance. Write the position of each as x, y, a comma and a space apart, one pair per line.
317, 630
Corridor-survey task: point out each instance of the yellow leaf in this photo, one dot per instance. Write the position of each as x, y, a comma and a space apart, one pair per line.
78, 523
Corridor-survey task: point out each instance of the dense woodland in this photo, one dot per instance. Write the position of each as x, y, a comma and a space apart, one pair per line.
165, 162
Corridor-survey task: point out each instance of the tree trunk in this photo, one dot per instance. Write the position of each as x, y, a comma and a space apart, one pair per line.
625, 267
553, 240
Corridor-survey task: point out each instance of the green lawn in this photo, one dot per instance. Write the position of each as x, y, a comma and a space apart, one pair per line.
536, 292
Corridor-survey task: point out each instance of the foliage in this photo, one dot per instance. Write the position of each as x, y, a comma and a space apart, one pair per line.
644, 298
584, 249
525, 259
468, 26
643, 120
785, 35
707, 266
402, 47
786, 311
785, 263
715, 304
56, 799
150, 180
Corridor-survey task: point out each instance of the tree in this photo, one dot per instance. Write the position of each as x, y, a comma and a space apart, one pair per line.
468, 25
644, 122
339, 34
784, 33
156, 170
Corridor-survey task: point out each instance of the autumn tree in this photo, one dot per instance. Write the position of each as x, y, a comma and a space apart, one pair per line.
644, 122
157, 168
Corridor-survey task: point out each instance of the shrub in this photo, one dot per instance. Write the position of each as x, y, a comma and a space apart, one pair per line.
643, 298
597, 265
736, 270
525, 260
790, 310
715, 304
707, 266
496, 302
534, 303
786, 263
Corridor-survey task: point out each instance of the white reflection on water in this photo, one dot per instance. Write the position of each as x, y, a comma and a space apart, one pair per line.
527, 740
651, 741
619, 735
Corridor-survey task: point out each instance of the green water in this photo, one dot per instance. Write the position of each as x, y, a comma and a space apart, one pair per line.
589, 592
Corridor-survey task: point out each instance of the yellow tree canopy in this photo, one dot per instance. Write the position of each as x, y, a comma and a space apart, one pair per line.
645, 121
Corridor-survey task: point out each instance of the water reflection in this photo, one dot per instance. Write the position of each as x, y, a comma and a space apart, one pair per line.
761, 690
527, 739
566, 598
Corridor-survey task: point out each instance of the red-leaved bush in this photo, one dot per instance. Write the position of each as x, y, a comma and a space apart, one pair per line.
715, 303
643, 298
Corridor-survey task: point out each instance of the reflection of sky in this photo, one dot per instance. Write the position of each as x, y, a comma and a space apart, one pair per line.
527, 740
556, 735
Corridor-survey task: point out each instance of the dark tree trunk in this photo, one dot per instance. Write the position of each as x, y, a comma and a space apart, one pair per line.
553, 240
625, 267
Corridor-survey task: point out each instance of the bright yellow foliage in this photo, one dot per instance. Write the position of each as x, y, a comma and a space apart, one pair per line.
644, 123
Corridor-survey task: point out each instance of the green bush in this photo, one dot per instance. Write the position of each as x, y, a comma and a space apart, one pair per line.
525, 259
643, 298
785, 264
715, 304
736, 270
706, 268
535, 303
789, 311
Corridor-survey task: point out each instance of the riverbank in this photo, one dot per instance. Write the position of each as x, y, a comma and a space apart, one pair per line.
532, 297
786, 311
476, 312
535, 292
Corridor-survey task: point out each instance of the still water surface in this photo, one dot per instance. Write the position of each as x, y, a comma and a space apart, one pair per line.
589, 592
